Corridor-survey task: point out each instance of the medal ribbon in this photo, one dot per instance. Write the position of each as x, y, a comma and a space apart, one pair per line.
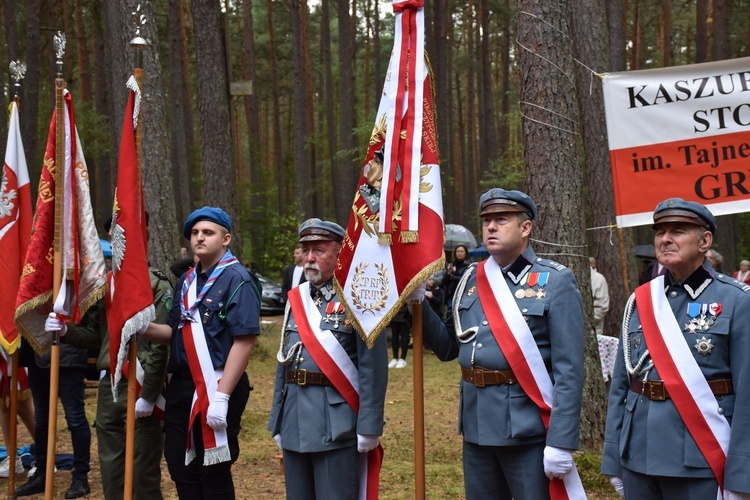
186, 313
515, 339
533, 277
335, 363
683, 379
543, 277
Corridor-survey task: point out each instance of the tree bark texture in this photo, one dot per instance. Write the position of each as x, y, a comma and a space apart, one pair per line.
30, 94
616, 19
553, 175
277, 155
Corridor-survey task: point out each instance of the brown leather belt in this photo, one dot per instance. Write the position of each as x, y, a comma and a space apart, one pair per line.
481, 376
305, 377
655, 390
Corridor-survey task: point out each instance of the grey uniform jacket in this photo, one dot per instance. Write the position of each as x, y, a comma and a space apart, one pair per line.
649, 436
503, 415
315, 418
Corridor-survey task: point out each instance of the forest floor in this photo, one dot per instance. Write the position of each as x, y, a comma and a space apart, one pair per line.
257, 473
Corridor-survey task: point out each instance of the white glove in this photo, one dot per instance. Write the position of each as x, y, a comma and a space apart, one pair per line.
143, 408
417, 295
557, 462
616, 482
217, 411
366, 442
277, 438
55, 324
733, 495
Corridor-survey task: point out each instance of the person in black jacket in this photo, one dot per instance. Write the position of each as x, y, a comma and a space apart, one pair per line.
456, 270
293, 275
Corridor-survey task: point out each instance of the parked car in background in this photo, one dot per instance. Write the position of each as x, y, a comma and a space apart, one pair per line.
271, 302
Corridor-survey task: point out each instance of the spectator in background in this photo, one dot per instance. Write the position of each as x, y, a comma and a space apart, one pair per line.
456, 270
716, 260
294, 274
744, 273
600, 290
435, 295
25, 410
400, 330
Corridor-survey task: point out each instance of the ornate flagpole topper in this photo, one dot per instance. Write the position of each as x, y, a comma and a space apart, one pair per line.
17, 72
58, 41
138, 43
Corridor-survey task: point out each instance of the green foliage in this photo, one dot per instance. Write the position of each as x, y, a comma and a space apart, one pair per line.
279, 236
93, 129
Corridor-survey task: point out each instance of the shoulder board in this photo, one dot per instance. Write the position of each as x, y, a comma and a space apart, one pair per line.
551, 263
725, 278
158, 274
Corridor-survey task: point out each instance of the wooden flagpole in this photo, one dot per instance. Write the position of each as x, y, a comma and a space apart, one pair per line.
419, 461
138, 44
59, 42
17, 71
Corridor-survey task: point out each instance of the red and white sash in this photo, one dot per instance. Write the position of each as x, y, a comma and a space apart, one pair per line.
160, 403
335, 363
683, 378
206, 379
519, 347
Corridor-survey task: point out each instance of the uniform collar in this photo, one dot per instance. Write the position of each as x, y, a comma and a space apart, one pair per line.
324, 292
695, 283
520, 266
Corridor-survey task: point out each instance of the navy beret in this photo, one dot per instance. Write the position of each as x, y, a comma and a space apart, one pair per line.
320, 230
500, 200
212, 214
679, 210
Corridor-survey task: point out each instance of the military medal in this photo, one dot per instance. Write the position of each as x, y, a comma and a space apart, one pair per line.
693, 310
542, 281
471, 291
334, 310
529, 292
520, 293
703, 346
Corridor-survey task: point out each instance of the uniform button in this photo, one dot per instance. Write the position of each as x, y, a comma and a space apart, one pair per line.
624, 400
673, 294
721, 410
484, 322
721, 276
479, 346
538, 259
524, 310
301, 360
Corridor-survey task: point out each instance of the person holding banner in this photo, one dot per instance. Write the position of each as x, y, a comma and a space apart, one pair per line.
684, 344
110, 414
519, 341
328, 402
213, 326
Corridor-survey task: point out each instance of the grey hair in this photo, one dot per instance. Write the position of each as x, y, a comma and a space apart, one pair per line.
716, 255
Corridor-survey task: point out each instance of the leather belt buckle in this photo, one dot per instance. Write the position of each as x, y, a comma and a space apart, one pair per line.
302, 377
657, 391
478, 377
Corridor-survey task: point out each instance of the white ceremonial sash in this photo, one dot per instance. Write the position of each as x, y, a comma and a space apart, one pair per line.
683, 378
523, 354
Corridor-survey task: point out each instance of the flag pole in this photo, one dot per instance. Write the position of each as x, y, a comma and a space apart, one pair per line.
17, 72
419, 460
138, 44
59, 43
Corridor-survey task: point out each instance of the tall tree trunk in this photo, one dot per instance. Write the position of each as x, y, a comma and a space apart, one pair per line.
30, 93
347, 174
193, 141
552, 168
665, 33
330, 109
302, 166
157, 169
277, 156
82, 52
470, 168
487, 130
308, 89
727, 226
505, 79
616, 17
219, 175
178, 146
257, 187
100, 73
701, 31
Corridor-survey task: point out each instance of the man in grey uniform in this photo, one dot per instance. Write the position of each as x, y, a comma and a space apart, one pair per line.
324, 439
684, 345
508, 451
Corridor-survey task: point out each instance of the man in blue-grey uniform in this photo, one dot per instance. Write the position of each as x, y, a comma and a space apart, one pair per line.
213, 325
683, 348
507, 452
322, 437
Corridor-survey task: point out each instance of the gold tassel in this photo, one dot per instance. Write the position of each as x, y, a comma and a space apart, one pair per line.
385, 239
409, 237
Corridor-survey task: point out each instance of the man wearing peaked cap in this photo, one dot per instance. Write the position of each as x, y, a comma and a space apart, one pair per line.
676, 393
323, 438
213, 326
507, 451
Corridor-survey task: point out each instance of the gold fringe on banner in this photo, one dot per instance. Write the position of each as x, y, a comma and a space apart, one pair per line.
409, 237
385, 239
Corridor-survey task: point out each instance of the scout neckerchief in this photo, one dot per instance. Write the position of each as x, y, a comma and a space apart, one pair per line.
205, 377
519, 347
334, 362
683, 379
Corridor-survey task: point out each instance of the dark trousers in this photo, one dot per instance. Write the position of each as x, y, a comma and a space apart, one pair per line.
399, 338
329, 475
642, 487
71, 391
505, 472
196, 481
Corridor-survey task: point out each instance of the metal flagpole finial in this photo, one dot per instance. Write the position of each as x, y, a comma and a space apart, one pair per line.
17, 72
59, 44
139, 19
